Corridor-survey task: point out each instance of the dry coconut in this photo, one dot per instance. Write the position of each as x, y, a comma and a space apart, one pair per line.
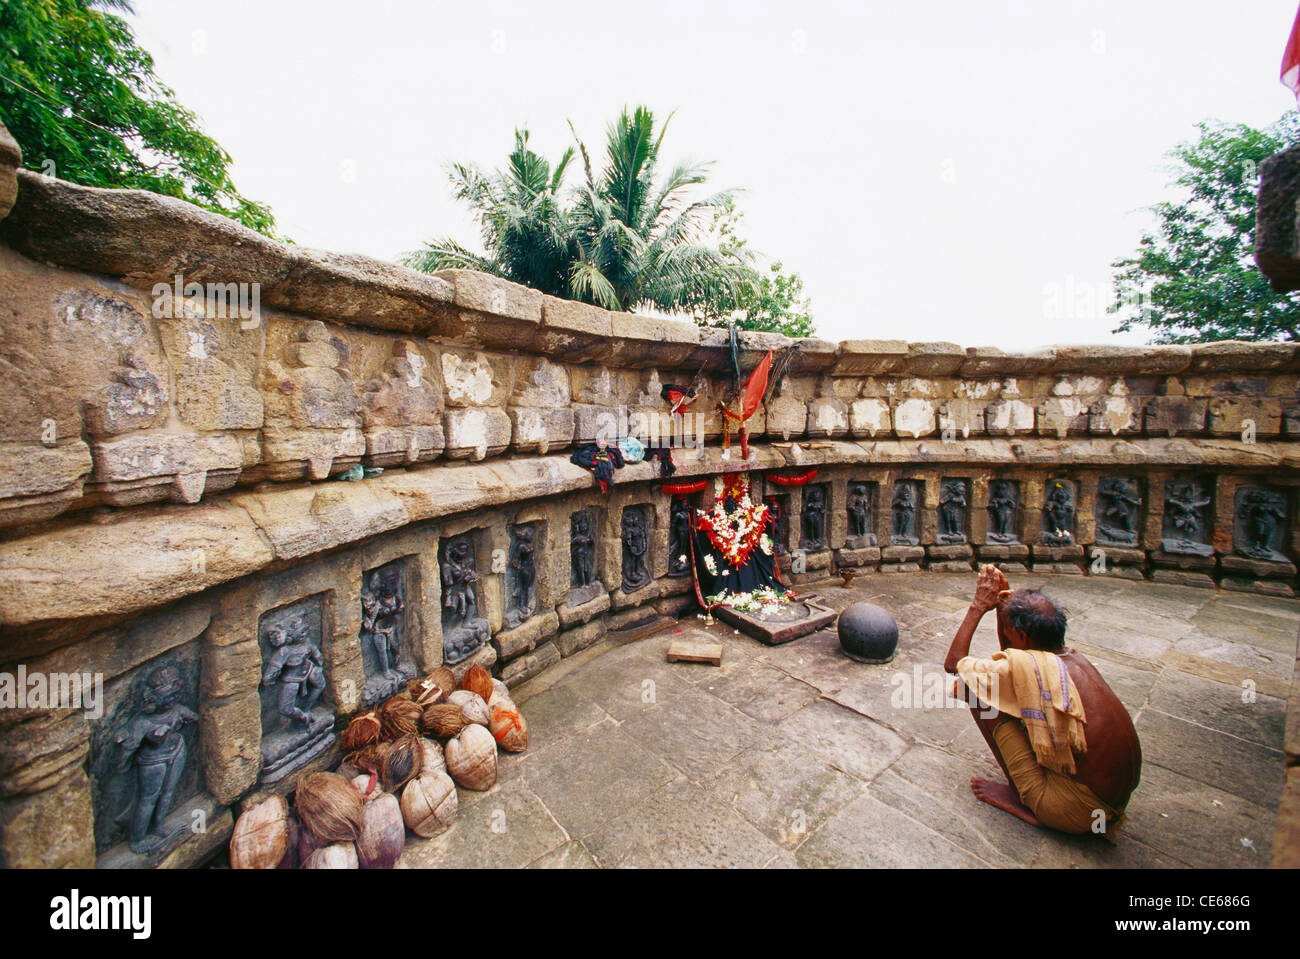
401, 763
361, 730
471, 705
340, 855
383, 833
508, 727
261, 836
399, 717
443, 720
478, 680
433, 760
329, 807
472, 758
429, 804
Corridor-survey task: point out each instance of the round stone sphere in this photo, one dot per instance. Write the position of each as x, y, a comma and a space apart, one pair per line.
868, 633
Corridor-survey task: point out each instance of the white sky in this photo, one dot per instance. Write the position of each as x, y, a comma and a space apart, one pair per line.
945, 170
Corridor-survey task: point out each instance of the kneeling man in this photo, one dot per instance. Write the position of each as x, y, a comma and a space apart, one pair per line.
1063, 738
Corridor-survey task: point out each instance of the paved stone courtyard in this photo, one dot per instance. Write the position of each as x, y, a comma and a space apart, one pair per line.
794, 756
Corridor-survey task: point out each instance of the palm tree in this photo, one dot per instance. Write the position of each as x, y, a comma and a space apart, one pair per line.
624, 243
526, 232
642, 245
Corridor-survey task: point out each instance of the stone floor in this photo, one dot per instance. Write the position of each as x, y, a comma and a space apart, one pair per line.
795, 755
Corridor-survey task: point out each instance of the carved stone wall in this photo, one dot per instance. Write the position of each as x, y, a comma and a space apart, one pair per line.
170, 479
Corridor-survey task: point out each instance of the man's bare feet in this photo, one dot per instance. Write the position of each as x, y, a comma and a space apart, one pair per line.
1003, 797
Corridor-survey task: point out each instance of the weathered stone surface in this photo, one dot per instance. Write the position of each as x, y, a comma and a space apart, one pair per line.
1008, 417
299, 522
523, 638
579, 638
584, 613
476, 433
898, 554
1171, 415
914, 418
870, 357
53, 829
1180, 577
144, 559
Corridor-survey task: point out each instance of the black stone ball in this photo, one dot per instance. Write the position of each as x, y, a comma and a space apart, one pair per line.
868, 633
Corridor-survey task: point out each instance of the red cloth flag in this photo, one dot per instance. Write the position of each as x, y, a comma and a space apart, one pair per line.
1291, 59
755, 387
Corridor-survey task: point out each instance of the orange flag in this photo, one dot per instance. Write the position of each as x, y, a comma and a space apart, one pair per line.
756, 386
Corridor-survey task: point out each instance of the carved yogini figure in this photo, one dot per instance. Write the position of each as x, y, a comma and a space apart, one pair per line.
952, 509
904, 512
814, 516
1117, 509
458, 579
297, 666
523, 563
1002, 508
153, 742
582, 549
381, 609
1183, 505
1060, 513
635, 542
859, 510
679, 531
1264, 513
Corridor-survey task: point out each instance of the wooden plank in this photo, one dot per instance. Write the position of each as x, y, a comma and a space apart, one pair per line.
693, 651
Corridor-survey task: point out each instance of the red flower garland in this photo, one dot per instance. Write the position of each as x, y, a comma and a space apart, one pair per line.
795, 479
685, 488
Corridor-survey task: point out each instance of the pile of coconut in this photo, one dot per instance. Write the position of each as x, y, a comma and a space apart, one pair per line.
401, 765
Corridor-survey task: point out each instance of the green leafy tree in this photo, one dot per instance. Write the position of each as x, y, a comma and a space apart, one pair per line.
83, 102
1195, 279
526, 231
622, 240
643, 243
773, 303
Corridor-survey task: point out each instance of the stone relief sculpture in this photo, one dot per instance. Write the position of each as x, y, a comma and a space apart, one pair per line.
1260, 524
1058, 514
952, 511
636, 572
903, 526
464, 631
1185, 519
860, 505
1004, 498
814, 518
153, 746
1117, 511
679, 532
383, 619
523, 573
779, 506
293, 682
583, 586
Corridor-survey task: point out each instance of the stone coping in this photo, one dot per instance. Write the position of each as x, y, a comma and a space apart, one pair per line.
143, 557
143, 239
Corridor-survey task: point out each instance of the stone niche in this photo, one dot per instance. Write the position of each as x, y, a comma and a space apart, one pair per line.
1117, 511
814, 517
145, 767
1004, 512
861, 513
388, 657
1260, 517
779, 504
1060, 499
1187, 520
905, 512
636, 537
584, 556
297, 710
954, 511
681, 515
465, 628
527, 545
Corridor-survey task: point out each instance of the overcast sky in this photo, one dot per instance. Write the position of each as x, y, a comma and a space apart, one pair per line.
949, 170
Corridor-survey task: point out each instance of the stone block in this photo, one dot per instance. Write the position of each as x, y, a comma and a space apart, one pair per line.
901, 554
53, 829
866, 556
525, 637
914, 418
476, 433
579, 638
1172, 415
1007, 417
869, 417
1179, 577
